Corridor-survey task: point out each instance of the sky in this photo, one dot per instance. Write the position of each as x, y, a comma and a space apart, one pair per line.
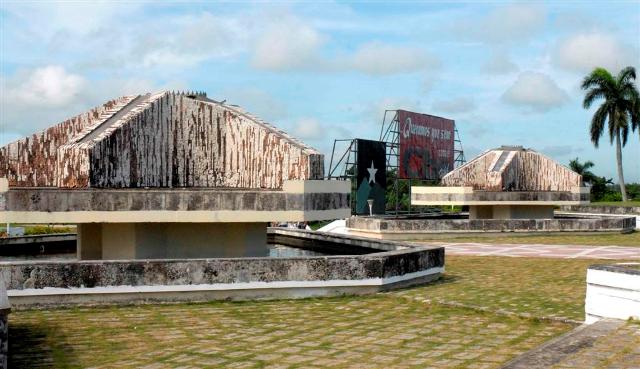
508, 73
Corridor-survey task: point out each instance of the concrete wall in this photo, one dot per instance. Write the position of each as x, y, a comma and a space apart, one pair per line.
302, 200
63, 282
122, 241
406, 228
32, 161
595, 209
5, 308
613, 291
424, 195
511, 212
161, 140
522, 170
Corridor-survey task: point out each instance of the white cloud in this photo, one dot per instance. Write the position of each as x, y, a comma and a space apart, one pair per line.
309, 129
41, 97
257, 102
377, 58
459, 104
287, 43
375, 111
290, 44
49, 86
535, 91
583, 52
499, 63
505, 24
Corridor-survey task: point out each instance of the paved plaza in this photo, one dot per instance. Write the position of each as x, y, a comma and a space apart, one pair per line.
353, 332
485, 312
540, 250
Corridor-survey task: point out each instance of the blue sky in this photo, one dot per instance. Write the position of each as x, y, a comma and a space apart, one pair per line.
506, 72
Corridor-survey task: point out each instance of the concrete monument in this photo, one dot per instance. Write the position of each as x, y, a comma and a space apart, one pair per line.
509, 182
166, 175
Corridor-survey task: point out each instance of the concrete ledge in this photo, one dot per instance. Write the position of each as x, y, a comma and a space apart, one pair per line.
556, 350
421, 195
613, 291
63, 282
203, 292
391, 228
52, 205
596, 209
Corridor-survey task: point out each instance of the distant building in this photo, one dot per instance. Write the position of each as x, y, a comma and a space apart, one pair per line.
509, 182
166, 175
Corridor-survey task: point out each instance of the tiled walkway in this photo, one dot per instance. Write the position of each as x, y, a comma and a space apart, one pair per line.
537, 250
381, 331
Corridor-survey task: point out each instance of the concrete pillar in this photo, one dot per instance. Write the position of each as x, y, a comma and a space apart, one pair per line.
89, 244
118, 241
511, 212
480, 212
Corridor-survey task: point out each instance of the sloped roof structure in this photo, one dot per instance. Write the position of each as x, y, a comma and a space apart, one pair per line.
160, 140
513, 168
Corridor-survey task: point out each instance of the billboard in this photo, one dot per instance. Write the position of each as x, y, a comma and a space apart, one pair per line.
372, 176
426, 145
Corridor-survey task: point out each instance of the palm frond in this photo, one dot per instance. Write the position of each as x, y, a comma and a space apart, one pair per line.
600, 77
597, 123
625, 75
592, 95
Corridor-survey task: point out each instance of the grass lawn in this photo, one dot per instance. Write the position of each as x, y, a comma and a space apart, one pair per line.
596, 239
616, 203
540, 287
410, 328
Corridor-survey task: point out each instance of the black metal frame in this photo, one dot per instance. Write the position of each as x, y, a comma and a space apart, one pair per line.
390, 135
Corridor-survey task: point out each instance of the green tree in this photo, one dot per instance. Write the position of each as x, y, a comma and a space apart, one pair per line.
620, 109
583, 169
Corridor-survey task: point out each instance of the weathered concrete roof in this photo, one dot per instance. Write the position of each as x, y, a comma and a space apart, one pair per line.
513, 168
162, 139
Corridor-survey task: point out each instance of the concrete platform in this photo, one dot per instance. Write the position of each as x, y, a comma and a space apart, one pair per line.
405, 228
54, 283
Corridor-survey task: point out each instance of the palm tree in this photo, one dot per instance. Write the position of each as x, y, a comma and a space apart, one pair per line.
583, 170
620, 109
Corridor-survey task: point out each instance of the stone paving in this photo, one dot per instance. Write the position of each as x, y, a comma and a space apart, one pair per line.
382, 331
484, 312
539, 250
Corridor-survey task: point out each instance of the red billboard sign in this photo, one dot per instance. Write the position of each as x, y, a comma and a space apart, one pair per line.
426, 145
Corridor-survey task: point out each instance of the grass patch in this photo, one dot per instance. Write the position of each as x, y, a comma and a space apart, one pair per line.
541, 287
595, 239
616, 203
36, 230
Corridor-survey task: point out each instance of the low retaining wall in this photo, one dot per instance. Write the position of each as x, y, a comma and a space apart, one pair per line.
404, 228
608, 210
5, 308
613, 291
595, 209
63, 282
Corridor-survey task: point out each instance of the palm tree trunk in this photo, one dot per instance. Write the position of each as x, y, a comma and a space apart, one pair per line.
619, 160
